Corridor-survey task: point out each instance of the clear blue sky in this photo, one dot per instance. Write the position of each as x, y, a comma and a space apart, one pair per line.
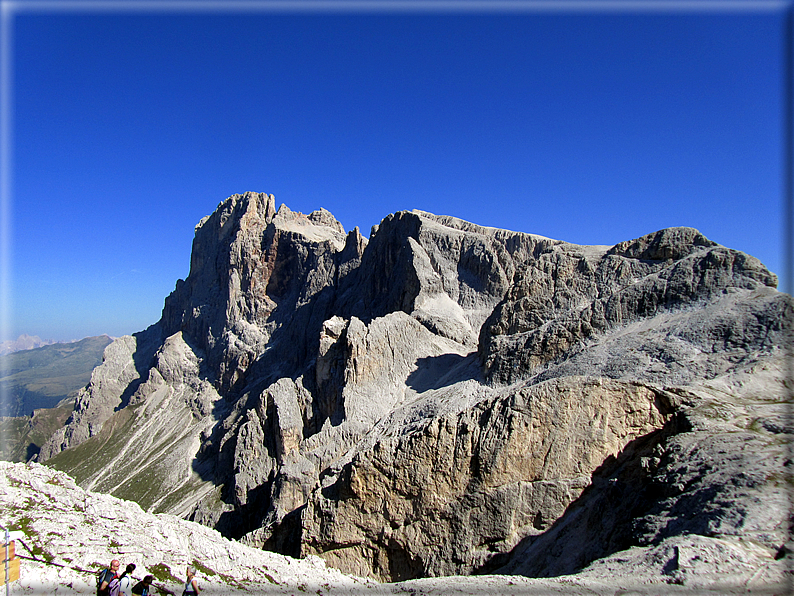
588, 126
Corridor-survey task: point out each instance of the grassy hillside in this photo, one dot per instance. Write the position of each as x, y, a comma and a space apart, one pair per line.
39, 387
23, 436
43, 377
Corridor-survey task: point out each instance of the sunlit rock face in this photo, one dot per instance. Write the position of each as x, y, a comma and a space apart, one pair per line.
569, 297
445, 398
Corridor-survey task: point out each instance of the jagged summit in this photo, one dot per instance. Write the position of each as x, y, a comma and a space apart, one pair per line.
441, 397
247, 277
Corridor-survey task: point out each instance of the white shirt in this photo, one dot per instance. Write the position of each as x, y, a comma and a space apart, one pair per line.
125, 586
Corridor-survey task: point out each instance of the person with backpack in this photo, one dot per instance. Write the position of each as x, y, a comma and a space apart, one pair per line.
144, 586
125, 581
191, 586
105, 577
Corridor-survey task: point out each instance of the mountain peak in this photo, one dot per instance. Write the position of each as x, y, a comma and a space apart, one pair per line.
445, 398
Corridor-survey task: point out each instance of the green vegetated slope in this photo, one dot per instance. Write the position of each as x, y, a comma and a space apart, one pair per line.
132, 459
23, 436
43, 377
39, 387
98, 451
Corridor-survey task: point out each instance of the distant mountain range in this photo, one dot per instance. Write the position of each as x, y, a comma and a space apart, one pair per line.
23, 342
38, 388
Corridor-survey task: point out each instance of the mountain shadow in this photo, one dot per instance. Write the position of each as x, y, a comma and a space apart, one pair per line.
434, 372
601, 522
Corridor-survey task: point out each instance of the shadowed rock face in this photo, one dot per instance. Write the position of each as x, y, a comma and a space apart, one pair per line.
445, 398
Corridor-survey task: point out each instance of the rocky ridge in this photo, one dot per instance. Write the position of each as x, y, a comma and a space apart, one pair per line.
445, 398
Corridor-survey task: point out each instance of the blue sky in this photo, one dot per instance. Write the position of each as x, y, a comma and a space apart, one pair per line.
591, 126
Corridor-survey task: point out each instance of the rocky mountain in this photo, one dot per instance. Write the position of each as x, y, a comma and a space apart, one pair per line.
69, 535
23, 342
449, 399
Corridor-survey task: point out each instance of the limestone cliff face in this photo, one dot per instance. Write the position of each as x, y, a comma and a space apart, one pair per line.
443, 397
443, 494
251, 269
567, 294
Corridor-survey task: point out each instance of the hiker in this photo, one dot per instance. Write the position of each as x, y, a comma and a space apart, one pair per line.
125, 581
144, 586
191, 585
105, 577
